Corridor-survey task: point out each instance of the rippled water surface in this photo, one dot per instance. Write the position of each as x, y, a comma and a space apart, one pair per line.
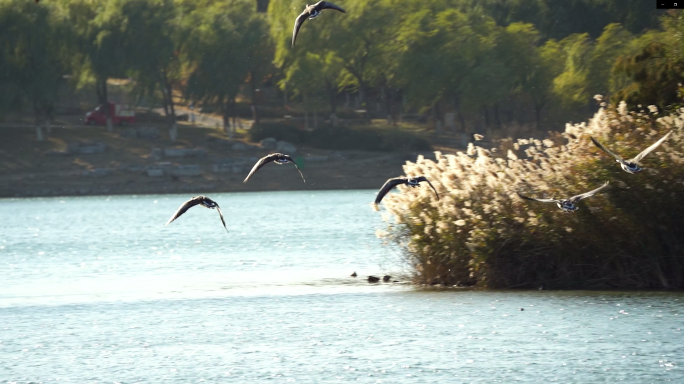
96, 289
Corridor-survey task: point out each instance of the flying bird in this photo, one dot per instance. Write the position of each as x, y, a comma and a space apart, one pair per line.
410, 181
277, 158
311, 12
568, 205
631, 165
198, 200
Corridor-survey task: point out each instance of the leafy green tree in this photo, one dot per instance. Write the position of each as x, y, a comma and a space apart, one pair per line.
215, 55
31, 55
532, 67
151, 40
96, 44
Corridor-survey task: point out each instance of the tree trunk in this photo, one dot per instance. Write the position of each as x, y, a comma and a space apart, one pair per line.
255, 108
332, 96
285, 96
459, 115
101, 89
306, 113
39, 129
362, 94
167, 93
497, 121
537, 113
232, 113
225, 108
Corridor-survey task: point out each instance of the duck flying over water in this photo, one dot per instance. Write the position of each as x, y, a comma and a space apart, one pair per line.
198, 200
311, 12
410, 181
568, 205
277, 158
631, 165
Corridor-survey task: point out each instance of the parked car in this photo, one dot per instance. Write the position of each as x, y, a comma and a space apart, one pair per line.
122, 114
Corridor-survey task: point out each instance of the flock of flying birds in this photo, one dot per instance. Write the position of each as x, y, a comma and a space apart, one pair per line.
629, 166
566, 205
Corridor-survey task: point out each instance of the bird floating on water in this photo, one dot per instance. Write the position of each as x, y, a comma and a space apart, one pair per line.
373, 279
631, 165
311, 12
277, 158
410, 181
568, 205
198, 200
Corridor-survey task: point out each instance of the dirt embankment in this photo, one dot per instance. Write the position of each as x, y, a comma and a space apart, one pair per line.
80, 160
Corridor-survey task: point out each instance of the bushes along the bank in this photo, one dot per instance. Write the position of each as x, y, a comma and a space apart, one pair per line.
481, 233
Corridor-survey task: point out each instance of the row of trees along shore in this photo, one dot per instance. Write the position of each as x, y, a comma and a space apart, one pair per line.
490, 63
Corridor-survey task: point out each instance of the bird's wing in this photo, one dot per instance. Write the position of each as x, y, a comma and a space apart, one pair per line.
221, 215
183, 208
263, 161
295, 164
423, 178
577, 198
606, 150
327, 5
298, 24
539, 200
650, 149
389, 184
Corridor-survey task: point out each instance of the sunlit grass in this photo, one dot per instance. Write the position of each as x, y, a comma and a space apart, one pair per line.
481, 233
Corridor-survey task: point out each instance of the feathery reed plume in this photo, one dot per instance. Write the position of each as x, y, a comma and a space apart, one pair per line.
481, 233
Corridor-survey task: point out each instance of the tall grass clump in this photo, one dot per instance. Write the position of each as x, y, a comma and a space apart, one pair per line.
481, 233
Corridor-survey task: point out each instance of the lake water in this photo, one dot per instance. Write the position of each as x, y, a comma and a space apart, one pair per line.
97, 290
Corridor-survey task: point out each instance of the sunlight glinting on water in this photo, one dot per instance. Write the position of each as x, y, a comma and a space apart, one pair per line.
96, 289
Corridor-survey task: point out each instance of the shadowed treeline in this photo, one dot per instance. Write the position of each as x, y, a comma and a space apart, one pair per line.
490, 63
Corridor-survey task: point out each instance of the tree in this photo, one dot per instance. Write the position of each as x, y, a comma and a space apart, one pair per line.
152, 40
32, 56
96, 43
215, 53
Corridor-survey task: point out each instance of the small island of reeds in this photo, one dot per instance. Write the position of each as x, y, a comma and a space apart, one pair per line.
481, 233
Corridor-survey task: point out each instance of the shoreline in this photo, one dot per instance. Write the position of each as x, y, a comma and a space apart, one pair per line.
89, 161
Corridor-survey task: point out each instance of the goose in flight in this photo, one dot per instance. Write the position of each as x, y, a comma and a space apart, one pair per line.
277, 158
568, 205
410, 181
198, 200
631, 165
311, 12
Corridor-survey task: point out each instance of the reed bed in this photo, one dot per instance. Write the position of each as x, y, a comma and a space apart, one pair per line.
481, 233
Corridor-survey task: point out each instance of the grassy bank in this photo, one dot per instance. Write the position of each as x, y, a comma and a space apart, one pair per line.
481, 233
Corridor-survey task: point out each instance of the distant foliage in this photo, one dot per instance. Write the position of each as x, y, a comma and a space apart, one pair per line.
481, 233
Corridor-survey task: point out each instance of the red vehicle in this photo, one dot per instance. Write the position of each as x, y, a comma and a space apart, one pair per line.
121, 114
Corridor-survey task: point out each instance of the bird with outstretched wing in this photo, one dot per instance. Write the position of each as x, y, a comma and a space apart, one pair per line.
198, 200
311, 12
567, 205
631, 165
277, 158
409, 181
